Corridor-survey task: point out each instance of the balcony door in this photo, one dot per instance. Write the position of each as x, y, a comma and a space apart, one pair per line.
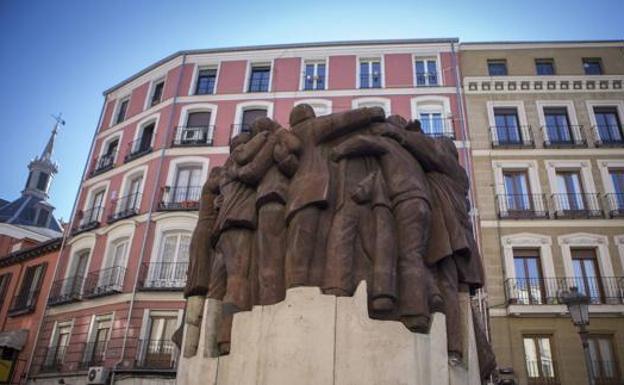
603, 363
617, 201
73, 284
187, 184
570, 195
558, 125
170, 268
132, 199
93, 213
159, 350
145, 143
507, 126
197, 129
608, 124
539, 360
517, 191
432, 123
586, 274
529, 281
112, 275
250, 116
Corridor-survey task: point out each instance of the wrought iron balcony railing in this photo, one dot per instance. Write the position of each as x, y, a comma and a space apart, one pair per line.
125, 207
438, 128
512, 137
104, 163
576, 205
521, 206
66, 290
24, 302
193, 136
93, 355
53, 359
163, 275
564, 136
608, 136
157, 354
180, 198
615, 204
104, 282
88, 219
541, 373
137, 149
545, 291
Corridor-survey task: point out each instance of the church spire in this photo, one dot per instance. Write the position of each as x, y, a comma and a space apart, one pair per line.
43, 168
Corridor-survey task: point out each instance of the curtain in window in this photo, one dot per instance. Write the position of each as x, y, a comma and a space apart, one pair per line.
570, 192
608, 124
517, 191
557, 125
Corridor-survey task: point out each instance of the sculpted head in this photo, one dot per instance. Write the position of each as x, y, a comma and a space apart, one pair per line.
263, 124
414, 125
397, 120
301, 113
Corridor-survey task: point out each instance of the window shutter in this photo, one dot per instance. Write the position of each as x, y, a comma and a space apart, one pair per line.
198, 119
5, 279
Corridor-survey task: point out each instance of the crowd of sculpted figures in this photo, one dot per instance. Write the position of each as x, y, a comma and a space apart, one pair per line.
330, 202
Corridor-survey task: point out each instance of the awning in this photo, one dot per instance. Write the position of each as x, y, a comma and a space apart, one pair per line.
14, 338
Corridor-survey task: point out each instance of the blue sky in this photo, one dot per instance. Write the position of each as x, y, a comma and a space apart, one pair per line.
58, 56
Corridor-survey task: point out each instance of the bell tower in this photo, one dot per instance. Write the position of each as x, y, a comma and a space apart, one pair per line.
42, 169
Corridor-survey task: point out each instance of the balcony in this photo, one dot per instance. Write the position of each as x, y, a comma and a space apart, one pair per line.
137, 149
157, 355
576, 205
125, 207
512, 137
104, 163
564, 137
615, 205
104, 282
54, 357
438, 128
608, 136
184, 198
163, 276
88, 219
193, 136
521, 206
24, 303
544, 291
94, 354
66, 290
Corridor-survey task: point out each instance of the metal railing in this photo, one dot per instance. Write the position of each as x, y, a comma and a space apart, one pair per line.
521, 206
88, 219
615, 204
512, 137
125, 207
24, 302
103, 164
93, 355
53, 359
66, 290
605, 372
576, 205
608, 136
157, 354
564, 136
541, 373
180, 198
545, 291
438, 128
137, 149
104, 282
193, 136
427, 79
163, 275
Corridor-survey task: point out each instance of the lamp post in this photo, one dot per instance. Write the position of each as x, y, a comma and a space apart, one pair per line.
578, 307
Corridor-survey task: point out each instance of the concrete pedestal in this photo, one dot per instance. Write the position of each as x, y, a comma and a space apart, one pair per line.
316, 339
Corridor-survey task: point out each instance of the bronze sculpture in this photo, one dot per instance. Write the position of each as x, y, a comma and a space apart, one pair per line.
335, 200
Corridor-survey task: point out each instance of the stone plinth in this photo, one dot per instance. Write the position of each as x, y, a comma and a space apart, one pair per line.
316, 339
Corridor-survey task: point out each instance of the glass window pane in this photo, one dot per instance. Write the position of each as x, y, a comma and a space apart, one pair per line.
530, 354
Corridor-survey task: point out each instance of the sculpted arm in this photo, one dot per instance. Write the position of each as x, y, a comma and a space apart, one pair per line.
336, 125
433, 154
360, 145
252, 172
245, 152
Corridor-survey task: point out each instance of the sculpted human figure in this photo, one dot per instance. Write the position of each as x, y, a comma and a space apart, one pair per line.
309, 189
410, 197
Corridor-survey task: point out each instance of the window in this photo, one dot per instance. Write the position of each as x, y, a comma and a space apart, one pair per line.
432, 123
175, 249
157, 93
121, 110
144, 143
29, 289
111, 277
570, 190
42, 217
370, 73
259, 78
586, 275
539, 360
58, 347
107, 159
517, 191
603, 363
197, 130
187, 184
616, 199
118, 253
206, 79
133, 197
95, 349
5, 279
314, 76
497, 67
608, 125
592, 66
158, 349
426, 72
558, 125
42, 182
529, 283
72, 287
507, 126
250, 116
92, 214
544, 66
169, 271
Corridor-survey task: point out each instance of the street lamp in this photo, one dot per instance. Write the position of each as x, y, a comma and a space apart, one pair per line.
578, 307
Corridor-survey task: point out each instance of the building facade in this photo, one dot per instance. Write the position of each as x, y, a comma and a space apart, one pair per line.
545, 123
117, 296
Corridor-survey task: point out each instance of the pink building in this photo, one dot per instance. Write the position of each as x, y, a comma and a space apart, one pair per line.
117, 296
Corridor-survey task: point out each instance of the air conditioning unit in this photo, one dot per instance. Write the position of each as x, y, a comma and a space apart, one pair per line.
97, 375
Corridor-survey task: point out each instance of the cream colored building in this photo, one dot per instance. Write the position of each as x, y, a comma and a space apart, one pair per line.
546, 134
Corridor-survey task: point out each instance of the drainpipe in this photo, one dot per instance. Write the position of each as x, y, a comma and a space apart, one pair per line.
66, 234
471, 194
148, 222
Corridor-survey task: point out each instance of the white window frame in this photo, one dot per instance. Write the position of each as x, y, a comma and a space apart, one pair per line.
569, 106
618, 104
530, 166
144, 123
260, 63
315, 104
251, 105
102, 186
116, 110
384, 103
126, 182
106, 141
176, 163
370, 58
307, 61
201, 107
585, 171
150, 93
95, 319
201, 66
438, 62
604, 165
146, 325
619, 241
